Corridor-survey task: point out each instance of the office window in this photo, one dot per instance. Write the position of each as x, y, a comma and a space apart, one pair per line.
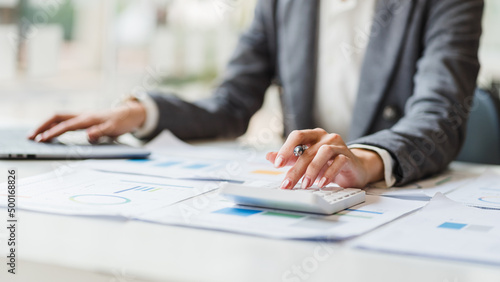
78, 55
490, 45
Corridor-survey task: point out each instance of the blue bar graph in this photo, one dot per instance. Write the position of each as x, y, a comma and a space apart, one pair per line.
452, 225
167, 164
237, 211
196, 166
356, 210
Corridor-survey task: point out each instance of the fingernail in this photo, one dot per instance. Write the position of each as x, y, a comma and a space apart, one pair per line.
285, 185
305, 182
279, 161
38, 138
322, 182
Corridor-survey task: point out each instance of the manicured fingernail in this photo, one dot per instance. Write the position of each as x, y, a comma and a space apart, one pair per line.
305, 182
279, 161
286, 183
322, 182
38, 138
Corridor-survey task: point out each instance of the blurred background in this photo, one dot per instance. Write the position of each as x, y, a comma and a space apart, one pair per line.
82, 55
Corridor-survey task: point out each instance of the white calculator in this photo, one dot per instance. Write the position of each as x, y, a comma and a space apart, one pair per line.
327, 200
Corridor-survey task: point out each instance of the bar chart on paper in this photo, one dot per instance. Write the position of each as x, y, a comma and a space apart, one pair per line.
224, 215
88, 192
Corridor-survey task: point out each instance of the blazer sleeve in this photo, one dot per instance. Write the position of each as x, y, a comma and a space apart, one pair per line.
228, 111
432, 131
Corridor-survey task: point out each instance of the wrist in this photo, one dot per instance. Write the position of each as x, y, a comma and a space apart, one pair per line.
372, 164
138, 112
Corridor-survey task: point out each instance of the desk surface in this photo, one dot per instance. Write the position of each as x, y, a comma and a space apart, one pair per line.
69, 248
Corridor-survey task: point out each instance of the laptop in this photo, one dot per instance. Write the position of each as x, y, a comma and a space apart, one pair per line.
15, 145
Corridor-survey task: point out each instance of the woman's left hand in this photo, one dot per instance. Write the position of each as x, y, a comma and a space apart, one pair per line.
327, 159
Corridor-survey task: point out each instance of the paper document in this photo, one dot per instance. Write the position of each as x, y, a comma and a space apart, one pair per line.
442, 229
210, 211
427, 188
173, 158
87, 192
483, 192
179, 167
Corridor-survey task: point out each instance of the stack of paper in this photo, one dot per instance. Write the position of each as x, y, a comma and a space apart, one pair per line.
87, 192
211, 212
442, 229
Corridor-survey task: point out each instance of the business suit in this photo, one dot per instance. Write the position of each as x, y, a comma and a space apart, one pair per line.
416, 83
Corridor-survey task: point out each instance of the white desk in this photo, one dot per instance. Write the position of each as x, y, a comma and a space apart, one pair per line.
65, 248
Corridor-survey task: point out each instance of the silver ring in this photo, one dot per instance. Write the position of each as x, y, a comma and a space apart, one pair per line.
299, 150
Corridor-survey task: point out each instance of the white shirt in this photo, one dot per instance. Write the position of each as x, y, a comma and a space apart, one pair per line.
341, 53
344, 32
343, 37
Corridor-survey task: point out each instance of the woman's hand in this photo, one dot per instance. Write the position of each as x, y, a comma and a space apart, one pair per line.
327, 159
112, 123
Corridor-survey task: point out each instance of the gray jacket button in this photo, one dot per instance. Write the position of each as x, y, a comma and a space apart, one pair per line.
390, 113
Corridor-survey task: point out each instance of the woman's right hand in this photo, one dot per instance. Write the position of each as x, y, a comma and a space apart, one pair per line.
111, 123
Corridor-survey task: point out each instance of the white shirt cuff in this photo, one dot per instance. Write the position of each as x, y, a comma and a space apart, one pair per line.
152, 115
388, 164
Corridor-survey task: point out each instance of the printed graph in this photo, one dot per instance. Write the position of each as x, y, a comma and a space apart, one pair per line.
359, 213
167, 164
465, 226
237, 211
490, 199
139, 160
196, 166
98, 199
156, 184
140, 189
452, 225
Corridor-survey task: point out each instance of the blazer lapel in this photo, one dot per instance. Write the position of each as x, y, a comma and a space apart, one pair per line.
297, 51
386, 39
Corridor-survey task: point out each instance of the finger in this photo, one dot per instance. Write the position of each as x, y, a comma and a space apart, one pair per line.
271, 157
97, 131
320, 162
297, 137
39, 136
49, 124
338, 164
79, 122
323, 169
297, 171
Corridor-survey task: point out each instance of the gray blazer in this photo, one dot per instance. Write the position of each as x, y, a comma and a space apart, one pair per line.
415, 92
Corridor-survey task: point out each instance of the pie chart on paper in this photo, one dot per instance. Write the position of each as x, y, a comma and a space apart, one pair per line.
490, 199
